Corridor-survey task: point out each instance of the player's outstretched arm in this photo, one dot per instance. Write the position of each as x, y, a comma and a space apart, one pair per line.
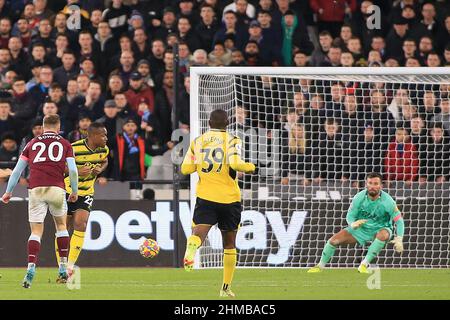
73, 176
15, 176
188, 166
234, 157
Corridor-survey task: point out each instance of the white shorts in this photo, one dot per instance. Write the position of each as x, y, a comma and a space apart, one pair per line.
41, 199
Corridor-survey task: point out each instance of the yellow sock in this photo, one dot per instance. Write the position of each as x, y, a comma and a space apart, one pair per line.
56, 252
229, 264
76, 244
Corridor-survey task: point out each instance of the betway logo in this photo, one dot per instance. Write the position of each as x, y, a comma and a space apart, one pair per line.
253, 235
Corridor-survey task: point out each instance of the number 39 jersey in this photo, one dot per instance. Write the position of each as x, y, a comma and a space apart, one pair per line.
211, 152
46, 156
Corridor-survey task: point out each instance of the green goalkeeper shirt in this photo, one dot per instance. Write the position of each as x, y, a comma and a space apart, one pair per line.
380, 213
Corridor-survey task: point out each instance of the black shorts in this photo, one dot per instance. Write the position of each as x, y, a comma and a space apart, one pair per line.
83, 203
227, 216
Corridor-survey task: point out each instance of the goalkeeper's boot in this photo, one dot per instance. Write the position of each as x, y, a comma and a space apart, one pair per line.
28, 279
315, 269
62, 274
363, 268
189, 256
227, 293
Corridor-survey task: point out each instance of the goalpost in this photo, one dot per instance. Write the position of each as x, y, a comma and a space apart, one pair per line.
315, 133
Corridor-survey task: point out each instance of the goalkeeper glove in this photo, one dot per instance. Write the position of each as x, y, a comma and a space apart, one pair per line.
398, 244
358, 223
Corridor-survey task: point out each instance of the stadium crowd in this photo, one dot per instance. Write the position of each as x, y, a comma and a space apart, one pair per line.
117, 68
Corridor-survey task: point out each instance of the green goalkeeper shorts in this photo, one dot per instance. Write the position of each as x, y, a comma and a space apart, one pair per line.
363, 235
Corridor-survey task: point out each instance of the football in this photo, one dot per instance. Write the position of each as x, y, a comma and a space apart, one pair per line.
149, 249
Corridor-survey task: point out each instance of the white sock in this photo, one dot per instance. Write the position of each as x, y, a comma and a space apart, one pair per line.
31, 265
364, 262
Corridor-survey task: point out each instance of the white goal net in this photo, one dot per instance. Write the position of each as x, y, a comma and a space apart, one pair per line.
315, 133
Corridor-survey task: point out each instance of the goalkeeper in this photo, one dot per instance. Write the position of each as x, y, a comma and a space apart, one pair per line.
370, 217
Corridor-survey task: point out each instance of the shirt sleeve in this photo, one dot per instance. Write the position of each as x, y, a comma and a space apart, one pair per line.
189, 162
25, 153
353, 211
70, 153
234, 153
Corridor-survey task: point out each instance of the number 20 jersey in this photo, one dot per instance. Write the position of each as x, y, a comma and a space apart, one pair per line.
217, 180
46, 155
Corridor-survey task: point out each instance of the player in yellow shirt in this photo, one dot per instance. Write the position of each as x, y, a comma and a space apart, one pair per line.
91, 157
216, 157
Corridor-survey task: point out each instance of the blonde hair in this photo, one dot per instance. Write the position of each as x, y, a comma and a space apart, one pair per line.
297, 144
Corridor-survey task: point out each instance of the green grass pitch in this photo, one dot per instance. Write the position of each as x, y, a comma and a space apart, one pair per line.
258, 284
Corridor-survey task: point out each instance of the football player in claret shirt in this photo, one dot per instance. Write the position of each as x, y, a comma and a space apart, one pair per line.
46, 155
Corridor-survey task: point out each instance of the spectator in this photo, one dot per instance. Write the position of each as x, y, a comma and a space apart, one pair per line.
81, 132
40, 90
219, 56
183, 109
141, 48
105, 40
425, 47
19, 58
269, 53
301, 59
44, 35
400, 99
244, 10
347, 59
328, 154
444, 116
207, 27
22, 30
126, 67
409, 111
401, 162
163, 107
139, 92
355, 48
294, 37
129, 153
68, 69
143, 67
184, 57
23, 107
200, 58
36, 130
237, 58
331, 14
117, 16
5, 32
92, 104
88, 49
41, 10
396, 36
124, 110
7, 122
167, 26
428, 26
382, 121
433, 60
365, 156
8, 148
230, 26
319, 55
418, 132
352, 119
428, 106
295, 153
333, 58
61, 46
435, 156
187, 10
